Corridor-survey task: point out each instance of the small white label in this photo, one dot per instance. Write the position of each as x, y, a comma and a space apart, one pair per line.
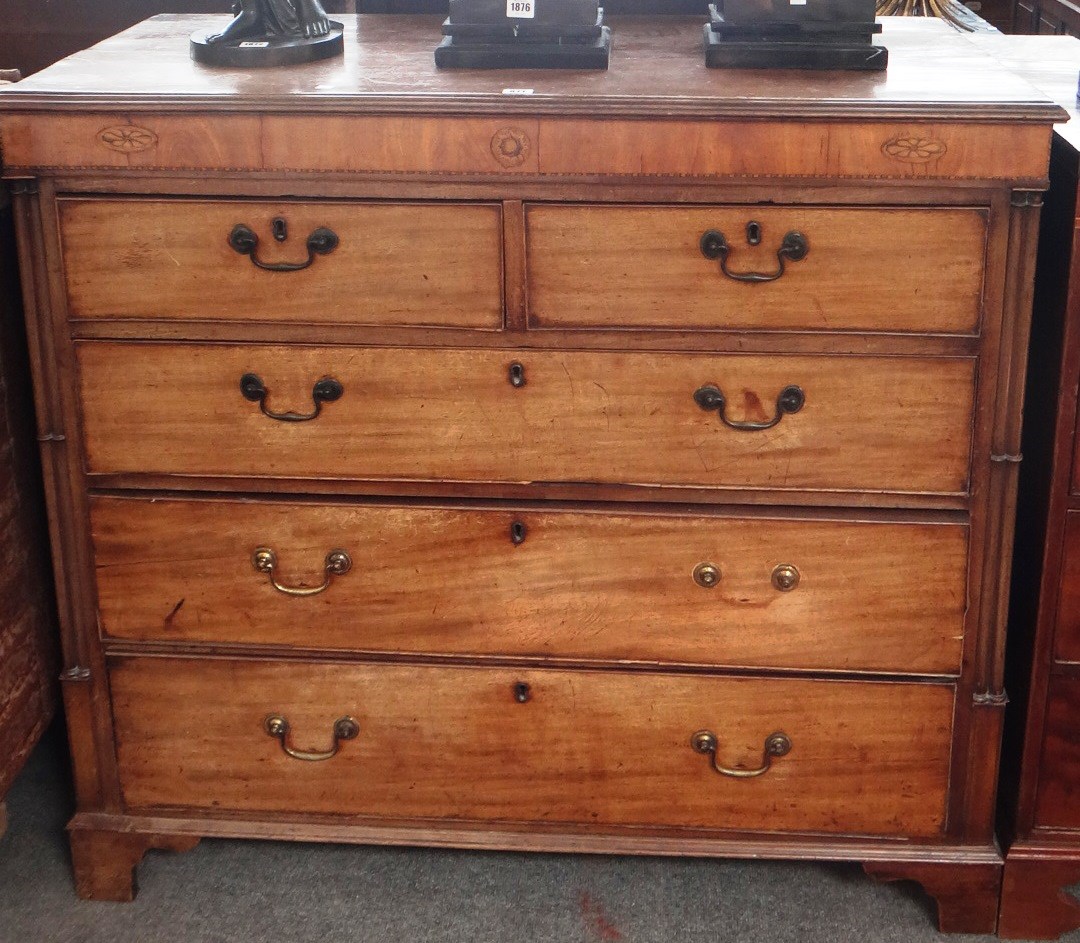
254, 45
517, 91
521, 9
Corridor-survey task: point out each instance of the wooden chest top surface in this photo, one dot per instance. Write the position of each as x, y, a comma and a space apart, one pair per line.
1050, 63
657, 70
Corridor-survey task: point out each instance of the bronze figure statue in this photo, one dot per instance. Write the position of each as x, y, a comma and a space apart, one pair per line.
271, 32
266, 19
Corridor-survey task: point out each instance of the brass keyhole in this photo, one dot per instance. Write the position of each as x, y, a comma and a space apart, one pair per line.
518, 532
517, 375
522, 692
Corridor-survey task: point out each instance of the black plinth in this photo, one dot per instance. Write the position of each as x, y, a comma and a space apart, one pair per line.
266, 52
800, 34
764, 53
454, 53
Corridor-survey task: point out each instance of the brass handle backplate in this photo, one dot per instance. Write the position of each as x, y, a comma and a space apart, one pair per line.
345, 728
793, 247
243, 240
785, 577
338, 563
326, 390
710, 398
776, 744
706, 575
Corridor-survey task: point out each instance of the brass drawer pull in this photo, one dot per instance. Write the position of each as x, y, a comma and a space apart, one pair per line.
243, 240
776, 744
326, 390
338, 562
793, 247
710, 397
345, 728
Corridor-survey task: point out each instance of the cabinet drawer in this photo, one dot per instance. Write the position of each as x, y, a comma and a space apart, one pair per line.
1056, 804
719, 590
393, 263
874, 269
499, 744
881, 424
1067, 630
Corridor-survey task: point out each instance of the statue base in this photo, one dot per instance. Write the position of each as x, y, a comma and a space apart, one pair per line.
765, 52
524, 55
819, 34
268, 51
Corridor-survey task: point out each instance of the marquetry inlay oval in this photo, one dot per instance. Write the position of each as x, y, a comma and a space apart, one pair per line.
510, 146
127, 138
914, 148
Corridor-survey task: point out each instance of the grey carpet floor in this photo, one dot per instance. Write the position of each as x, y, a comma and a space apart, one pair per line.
250, 892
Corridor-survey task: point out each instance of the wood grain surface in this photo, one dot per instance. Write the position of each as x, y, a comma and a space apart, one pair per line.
657, 68
396, 264
384, 108
877, 424
1056, 805
601, 748
585, 585
876, 269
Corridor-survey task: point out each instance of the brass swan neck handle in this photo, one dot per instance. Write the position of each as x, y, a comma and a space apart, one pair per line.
243, 240
345, 728
326, 390
794, 247
338, 563
711, 398
776, 744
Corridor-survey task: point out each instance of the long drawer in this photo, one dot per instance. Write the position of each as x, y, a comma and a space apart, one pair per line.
765, 268
348, 263
716, 590
485, 744
783, 422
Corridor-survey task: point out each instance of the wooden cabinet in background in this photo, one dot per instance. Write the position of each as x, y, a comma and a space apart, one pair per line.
1041, 776
1046, 18
29, 657
627, 467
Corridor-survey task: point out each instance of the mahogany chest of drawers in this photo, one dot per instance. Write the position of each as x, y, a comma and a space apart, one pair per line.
618, 462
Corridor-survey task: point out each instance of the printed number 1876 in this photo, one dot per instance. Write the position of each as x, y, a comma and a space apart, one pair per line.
521, 8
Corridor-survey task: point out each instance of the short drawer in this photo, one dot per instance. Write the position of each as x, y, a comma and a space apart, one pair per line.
504, 744
881, 424
312, 262
756, 591
841, 268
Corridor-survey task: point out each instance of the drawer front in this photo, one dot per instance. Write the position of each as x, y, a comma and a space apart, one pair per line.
1056, 804
393, 264
885, 424
716, 590
876, 269
592, 748
1067, 630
